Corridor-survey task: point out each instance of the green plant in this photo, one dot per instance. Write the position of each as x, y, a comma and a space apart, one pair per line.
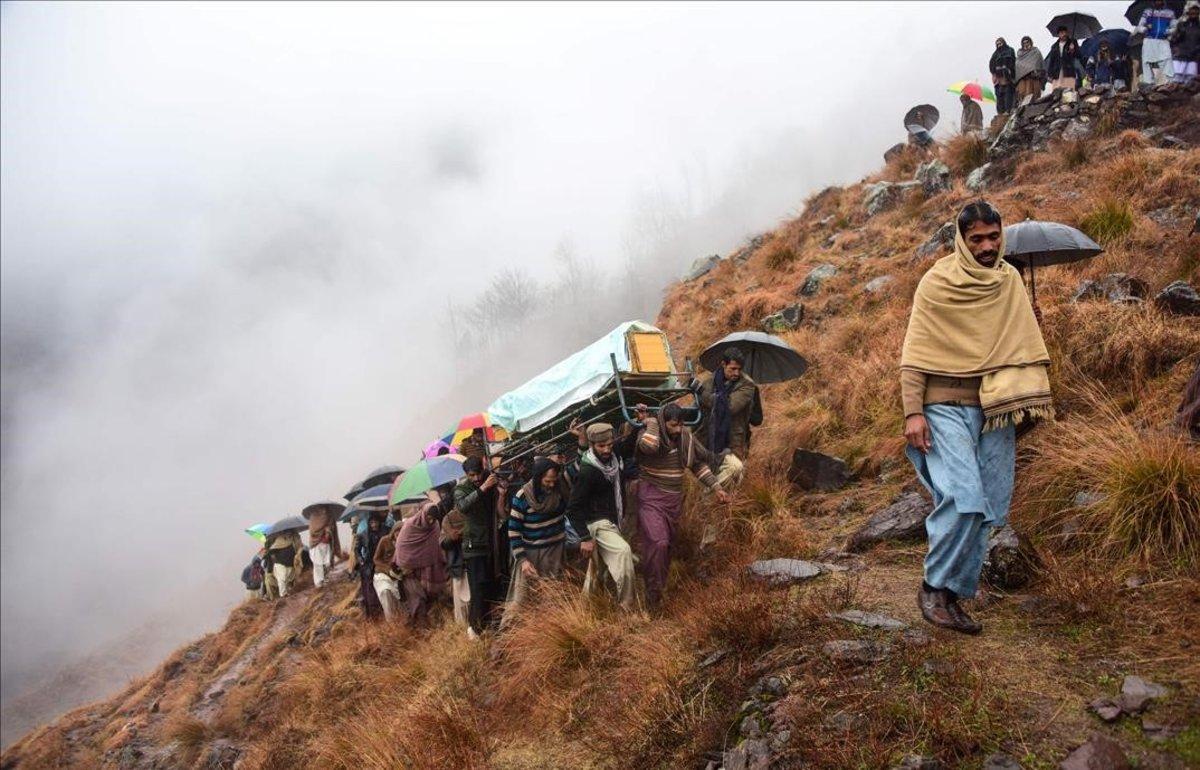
1109, 222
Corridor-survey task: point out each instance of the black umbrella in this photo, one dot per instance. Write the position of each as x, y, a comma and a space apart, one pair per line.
1118, 42
1079, 25
1134, 12
922, 116
331, 508
384, 474
768, 358
288, 524
1031, 244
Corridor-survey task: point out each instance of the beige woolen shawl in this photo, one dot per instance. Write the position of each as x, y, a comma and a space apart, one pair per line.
974, 321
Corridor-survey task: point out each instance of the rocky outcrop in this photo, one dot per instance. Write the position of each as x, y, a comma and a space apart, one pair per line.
977, 180
939, 243
934, 177
883, 196
879, 284
1099, 753
1118, 288
904, 519
702, 266
783, 320
1179, 298
817, 276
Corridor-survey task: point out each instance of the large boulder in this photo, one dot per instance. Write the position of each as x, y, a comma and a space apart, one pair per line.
934, 177
701, 266
817, 276
1179, 298
939, 243
1011, 561
817, 471
1118, 288
783, 320
904, 519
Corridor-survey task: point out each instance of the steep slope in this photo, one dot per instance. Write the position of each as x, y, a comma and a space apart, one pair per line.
739, 673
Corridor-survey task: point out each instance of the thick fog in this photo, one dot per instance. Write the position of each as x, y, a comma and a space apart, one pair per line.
239, 243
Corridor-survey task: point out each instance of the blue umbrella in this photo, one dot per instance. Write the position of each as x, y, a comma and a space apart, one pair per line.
375, 498
1118, 41
287, 524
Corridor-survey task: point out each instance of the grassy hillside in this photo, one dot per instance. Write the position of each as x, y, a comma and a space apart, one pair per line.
575, 684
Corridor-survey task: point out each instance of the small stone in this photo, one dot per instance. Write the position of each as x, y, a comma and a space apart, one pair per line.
915, 637
816, 471
752, 754
1118, 288
1137, 693
870, 620
842, 722
817, 276
1106, 709
1180, 298
781, 739
1086, 498
750, 728
856, 650
904, 519
938, 667
894, 152
742, 255
770, 687
785, 319
1099, 753
783, 572
1135, 581
917, 762
877, 285
1076, 130
1000, 761
713, 658
701, 266
1157, 731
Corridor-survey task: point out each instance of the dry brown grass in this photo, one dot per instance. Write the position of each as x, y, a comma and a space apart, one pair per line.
964, 153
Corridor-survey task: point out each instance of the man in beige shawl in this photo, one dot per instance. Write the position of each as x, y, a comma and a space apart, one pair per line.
973, 366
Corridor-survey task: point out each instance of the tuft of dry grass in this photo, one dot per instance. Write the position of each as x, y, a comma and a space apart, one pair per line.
1075, 153
1108, 222
777, 253
965, 153
1147, 483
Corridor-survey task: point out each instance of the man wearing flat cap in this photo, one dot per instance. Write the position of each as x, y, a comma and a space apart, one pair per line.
594, 512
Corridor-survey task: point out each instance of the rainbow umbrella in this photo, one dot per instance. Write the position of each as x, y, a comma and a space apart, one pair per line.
258, 532
435, 449
426, 475
974, 90
469, 424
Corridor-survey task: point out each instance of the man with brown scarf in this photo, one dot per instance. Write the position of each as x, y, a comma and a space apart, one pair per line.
973, 366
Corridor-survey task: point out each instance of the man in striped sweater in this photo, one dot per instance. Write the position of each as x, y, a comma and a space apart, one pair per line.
665, 449
536, 530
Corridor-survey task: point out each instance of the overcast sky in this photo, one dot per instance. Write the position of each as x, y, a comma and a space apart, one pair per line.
231, 235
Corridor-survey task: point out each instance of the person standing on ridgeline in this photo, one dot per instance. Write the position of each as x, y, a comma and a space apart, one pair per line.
665, 448
1030, 70
322, 530
1185, 37
473, 497
1003, 66
1155, 26
1062, 63
1102, 68
418, 557
368, 544
385, 578
594, 510
973, 366
972, 115
536, 530
285, 549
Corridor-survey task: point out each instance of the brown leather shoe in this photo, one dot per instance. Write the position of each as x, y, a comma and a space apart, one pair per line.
933, 608
962, 621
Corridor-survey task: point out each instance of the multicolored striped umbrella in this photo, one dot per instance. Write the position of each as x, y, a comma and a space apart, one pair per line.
973, 90
426, 475
469, 424
258, 532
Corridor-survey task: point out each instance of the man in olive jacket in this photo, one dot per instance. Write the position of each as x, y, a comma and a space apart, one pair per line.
727, 398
